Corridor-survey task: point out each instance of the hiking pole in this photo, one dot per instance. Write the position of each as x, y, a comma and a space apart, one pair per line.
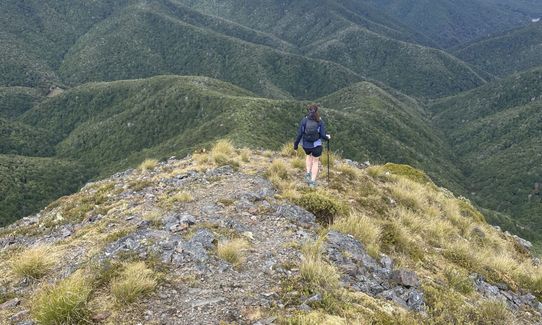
328, 162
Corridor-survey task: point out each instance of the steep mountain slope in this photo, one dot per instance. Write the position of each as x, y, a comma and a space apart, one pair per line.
450, 23
357, 37
21, 139
111, 126
105, 124
513, 51
272, 48
496, 131
16, 100
35, 35
203, 241
27, 184
147, 40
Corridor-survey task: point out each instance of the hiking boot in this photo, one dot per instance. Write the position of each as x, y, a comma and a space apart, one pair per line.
312, 184
307, 177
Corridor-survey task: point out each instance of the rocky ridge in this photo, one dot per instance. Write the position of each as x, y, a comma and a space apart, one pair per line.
174, 216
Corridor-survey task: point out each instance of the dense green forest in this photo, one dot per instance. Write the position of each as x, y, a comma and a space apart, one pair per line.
416, 82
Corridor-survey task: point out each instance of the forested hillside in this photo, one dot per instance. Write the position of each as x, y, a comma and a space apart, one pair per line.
513, 51
496, 131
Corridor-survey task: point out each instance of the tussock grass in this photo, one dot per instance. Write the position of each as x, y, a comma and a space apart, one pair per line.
224, 147
168, 201
316, 318
315, 271
233, 251
459, 280
134, 281
493, 312
277, 169
34, 263
462, 254
155, 217
347, 172
363, 228
64, 302
245, 155
148, 164
331, 161
298, 163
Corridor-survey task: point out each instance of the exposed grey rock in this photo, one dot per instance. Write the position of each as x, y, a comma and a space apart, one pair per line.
26, 322
222, 170
525, 244
296, 214
205, 238
316, 298
406, 278
17, 317
362, 272
10, 303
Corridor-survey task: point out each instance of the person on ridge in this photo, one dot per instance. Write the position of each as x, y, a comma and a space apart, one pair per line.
312, 129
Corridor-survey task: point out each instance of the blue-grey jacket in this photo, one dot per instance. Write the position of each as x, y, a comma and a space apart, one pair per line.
301, 131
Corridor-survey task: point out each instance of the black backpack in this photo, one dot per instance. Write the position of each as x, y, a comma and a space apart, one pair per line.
312, 131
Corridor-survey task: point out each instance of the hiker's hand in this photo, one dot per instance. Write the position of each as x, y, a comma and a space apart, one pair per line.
328, 136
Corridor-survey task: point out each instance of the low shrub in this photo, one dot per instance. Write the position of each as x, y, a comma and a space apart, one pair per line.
409, 172
325, 207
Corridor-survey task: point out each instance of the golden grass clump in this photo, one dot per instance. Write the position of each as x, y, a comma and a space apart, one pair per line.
298, 163
64, 302
134, 281
34, 263
154, 217
224, 147
410, 194
168, 201
494, 312
462, 254
233, 251
362, 227
315, 271
459, 280
277, 169
245, 155
148, 164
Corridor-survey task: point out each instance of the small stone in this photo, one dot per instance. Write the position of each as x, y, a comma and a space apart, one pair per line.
386, 262
188, 219
66, 232
178, 227
10, 303
248, 235
316, 298
19, 316
100, 317
304, 307
26, 322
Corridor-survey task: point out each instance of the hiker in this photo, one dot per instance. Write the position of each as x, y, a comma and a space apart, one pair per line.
313, 131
